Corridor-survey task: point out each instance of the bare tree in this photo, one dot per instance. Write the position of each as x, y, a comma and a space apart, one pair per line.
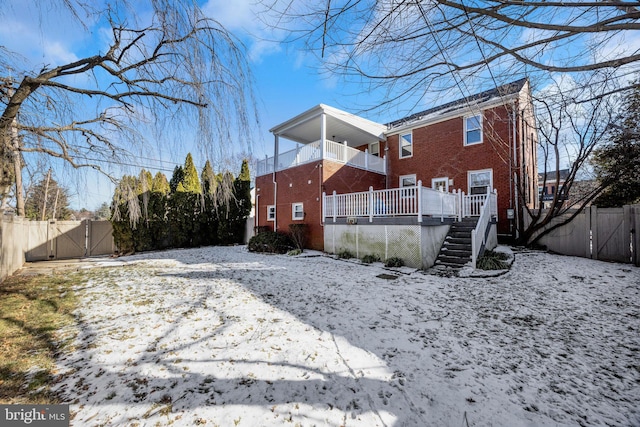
572, 121
409, 47
178, 71
409, 50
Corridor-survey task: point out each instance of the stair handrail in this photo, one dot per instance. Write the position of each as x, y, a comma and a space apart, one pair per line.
478, 240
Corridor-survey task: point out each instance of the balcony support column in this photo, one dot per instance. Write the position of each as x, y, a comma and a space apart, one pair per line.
323, 134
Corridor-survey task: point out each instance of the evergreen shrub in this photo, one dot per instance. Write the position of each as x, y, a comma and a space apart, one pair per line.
271, 242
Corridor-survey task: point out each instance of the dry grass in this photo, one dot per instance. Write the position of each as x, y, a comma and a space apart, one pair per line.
33, 312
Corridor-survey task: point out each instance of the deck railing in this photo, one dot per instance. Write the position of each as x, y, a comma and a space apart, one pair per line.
405, 201
330, 150
479, 234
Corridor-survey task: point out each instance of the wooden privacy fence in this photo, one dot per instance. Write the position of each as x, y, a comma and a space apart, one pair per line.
68, 239
608, 234
22, 240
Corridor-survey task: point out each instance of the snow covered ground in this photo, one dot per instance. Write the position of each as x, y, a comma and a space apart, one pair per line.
223, 337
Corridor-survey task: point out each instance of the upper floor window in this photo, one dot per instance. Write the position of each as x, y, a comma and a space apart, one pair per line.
374, 149
406, 145
473, 130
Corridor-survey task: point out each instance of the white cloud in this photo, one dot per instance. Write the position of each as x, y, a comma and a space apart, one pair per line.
241, 18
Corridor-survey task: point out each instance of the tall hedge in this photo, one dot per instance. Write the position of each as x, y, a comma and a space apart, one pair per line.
153, 213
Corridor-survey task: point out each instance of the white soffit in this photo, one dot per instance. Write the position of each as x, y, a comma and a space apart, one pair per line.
340, 126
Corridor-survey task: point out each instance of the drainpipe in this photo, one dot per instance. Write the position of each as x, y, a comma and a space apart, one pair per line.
321, 193
276, 149
256, 221
514, 195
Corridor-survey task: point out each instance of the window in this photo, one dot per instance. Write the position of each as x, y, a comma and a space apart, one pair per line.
473, 130
297, 211
406, 145
271, 213
440, 184
408, 180
480, 182
374, 149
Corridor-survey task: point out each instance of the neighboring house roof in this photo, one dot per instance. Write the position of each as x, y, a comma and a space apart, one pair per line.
551, 175
501, 93
340, 126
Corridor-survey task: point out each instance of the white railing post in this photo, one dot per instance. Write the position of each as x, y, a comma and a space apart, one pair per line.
474, 253
335, 203
419, 200
366, 159
370, 204
344, 152
324, 206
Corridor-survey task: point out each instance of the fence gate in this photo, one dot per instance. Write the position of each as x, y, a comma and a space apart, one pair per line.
608, 234
69, 239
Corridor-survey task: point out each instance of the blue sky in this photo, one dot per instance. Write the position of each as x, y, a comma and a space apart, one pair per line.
288, 81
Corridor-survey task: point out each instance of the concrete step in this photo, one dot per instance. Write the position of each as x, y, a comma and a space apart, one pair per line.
458, 240
444, 264
464, 253
444, 259
456, 246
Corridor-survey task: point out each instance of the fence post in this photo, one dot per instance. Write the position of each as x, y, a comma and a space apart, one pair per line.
370, 203
627, 243
593, 220
419, 200
335, 202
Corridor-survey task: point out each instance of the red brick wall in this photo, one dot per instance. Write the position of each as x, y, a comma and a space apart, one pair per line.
302, 184
439, 151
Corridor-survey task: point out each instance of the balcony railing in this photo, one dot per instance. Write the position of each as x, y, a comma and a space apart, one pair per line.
330, 150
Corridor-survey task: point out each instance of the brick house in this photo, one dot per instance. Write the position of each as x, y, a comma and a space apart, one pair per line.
476, 144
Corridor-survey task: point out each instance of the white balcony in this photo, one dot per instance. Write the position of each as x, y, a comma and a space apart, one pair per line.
314, 151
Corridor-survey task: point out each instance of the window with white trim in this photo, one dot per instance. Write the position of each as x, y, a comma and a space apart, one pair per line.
271, 213
408, 180
297, 211
473, 129
440, 184
405, 145
374, 149
480, 181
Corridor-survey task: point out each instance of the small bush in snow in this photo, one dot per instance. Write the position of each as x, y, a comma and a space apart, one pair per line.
491, 260
394, 262
368, 259
271, 242
294, 252
344, 253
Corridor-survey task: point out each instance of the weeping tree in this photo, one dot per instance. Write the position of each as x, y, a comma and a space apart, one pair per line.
165, 67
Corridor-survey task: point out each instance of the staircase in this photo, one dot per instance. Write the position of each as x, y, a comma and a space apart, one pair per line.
456, 249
